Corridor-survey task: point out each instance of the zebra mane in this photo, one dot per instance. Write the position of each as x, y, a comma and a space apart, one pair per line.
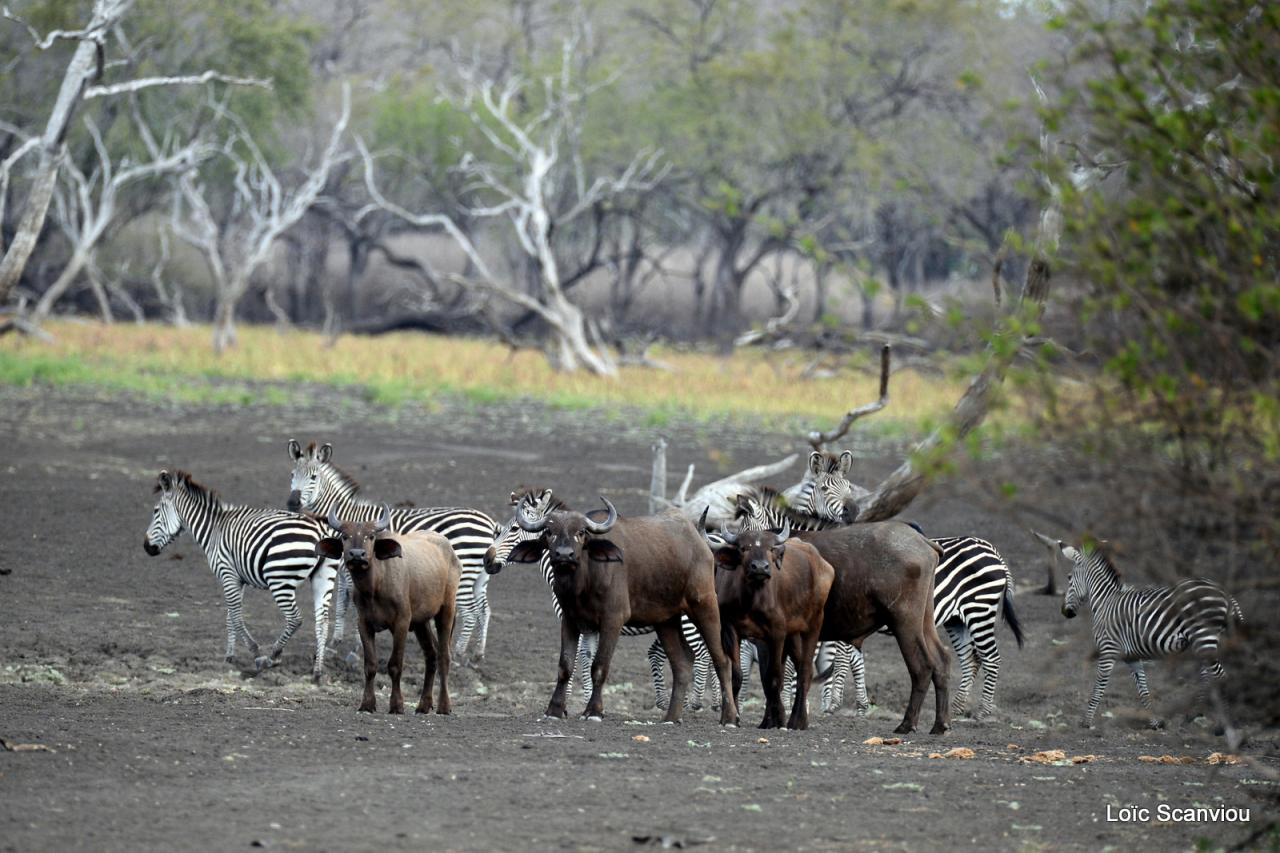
522, 491
343, 478
191, 485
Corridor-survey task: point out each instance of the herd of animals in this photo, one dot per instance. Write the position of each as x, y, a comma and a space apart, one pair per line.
789, 574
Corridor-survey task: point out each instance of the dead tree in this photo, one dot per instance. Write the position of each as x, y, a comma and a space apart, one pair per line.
86, 66
535, 178
85, 219
262, 209
1055, 551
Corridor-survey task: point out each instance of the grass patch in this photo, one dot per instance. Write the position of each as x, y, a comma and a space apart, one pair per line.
392, 370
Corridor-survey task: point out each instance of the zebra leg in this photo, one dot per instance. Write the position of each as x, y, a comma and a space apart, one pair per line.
1105, 665
858, 668
286, 598
482, 614
657, 663
1144, 694
746, 657
701, 675
962, 642
341, 601
467, 618
233, 597
321, 594
987, 652
788, 682
588, 642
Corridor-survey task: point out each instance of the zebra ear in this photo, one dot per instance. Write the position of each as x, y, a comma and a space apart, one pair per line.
330, 548
325, 453
815, 463
846, 464
165, 481
295, 450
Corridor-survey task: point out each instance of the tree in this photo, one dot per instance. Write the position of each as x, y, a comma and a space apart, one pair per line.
237, 241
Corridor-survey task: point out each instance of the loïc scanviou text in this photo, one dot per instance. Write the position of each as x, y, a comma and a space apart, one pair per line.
1169, 813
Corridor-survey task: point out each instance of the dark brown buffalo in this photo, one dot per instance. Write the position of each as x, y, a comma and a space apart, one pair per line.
607, 574
773, 590
399, 583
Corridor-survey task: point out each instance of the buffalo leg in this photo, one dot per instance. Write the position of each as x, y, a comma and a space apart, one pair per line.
370, 649
802, 647
430, 656
772, 675
395, 666
912, 646
679, 655
444, 629
609, 634
568, 649
940, 664
706, 618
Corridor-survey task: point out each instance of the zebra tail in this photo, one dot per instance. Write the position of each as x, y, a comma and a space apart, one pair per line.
1236, 614
820, 677
1010, 615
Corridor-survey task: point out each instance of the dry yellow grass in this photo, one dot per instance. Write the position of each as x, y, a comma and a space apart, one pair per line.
399, 367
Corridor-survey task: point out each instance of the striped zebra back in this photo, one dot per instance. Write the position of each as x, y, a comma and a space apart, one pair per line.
766, 509
970, 572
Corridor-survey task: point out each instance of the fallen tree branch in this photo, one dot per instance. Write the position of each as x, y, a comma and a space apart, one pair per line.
817, 438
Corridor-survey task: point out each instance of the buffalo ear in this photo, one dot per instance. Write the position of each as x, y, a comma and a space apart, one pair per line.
815, 463
603, 551
846, 463
780, 551
330, 548
325, 453
528, 551
727, 558
387, 549
295, 450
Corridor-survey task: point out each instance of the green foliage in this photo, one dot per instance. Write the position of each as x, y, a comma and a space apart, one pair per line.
1177, 251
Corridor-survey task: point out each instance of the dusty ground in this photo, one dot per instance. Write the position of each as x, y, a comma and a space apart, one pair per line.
113, 661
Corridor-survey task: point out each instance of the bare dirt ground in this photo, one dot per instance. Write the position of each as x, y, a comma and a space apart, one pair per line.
113, 661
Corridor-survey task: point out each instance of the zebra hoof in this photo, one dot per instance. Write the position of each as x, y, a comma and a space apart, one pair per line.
230, 658
352, 659
594, 719
263, 662
1156, 724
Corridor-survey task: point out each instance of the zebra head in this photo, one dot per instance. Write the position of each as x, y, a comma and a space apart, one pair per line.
310, 475
166, 523
827, 492
1077, 580
540, 503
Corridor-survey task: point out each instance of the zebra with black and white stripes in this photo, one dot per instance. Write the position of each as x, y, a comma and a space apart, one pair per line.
319, 486
1137, 624
263, 548
832, 661
539, 503
973, 586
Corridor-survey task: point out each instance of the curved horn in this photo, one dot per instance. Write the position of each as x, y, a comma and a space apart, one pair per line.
384, 520
602, 527
730, 536
702, 524
528, 524
333, 519
786, 532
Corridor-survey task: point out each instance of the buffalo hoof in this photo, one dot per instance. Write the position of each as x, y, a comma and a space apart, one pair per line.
423, 708
396, 709
556, 713
444, 710
367, 708
939, 729
904, 729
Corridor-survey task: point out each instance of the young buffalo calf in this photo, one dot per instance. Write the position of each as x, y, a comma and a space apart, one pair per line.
404, 583
774, 591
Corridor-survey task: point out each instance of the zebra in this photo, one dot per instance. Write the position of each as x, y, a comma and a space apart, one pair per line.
1137, 624
973, 585
320, 486
540, 502
244, 546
